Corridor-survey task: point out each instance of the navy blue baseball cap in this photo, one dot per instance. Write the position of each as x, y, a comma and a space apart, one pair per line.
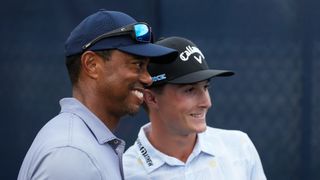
189, 67
103, 22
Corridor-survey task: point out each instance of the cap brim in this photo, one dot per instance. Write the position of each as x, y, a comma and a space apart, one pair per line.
200, 76
156, 53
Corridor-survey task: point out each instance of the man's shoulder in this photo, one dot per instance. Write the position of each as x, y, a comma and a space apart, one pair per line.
225, 133
61, 162
224, 137
64, 130
56, 139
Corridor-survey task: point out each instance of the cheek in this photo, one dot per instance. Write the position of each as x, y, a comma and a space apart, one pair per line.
128, 77
186, 103
177, 108
119, 78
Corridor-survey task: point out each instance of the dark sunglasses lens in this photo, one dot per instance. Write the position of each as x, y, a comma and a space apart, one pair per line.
142, 33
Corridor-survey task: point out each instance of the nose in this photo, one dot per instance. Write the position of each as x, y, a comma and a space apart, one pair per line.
205, 100
145, 78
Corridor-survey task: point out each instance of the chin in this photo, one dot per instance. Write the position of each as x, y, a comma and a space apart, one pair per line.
201, 129
133, 110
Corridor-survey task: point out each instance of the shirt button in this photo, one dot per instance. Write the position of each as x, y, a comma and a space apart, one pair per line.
116, 141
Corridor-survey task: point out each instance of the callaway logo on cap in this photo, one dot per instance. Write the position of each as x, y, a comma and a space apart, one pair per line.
192, 51
189, 67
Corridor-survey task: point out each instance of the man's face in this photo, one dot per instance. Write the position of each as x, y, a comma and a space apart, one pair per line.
122, 81
183, 108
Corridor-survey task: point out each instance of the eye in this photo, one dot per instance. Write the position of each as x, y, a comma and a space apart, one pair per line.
139, 64
189, 90
207, 87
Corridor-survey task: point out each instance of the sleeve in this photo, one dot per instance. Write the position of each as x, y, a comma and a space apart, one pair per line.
256, 169
66, 163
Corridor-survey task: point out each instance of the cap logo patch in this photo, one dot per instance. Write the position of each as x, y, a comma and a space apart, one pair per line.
190, 50
159, 77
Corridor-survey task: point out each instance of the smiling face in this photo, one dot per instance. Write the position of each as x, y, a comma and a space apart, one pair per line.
182, 109
121, 81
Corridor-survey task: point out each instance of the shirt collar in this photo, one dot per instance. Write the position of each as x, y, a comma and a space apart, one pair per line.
206, 143
96, 126
152, 158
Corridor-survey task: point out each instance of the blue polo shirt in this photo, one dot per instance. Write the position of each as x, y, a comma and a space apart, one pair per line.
218, 154
74, 145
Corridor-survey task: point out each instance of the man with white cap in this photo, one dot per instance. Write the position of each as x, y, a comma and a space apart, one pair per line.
177, 143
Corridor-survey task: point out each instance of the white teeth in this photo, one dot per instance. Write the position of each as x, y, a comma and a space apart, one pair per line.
201, 115
138, 94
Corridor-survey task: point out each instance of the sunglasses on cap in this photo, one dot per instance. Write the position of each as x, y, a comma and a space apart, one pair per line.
140, 32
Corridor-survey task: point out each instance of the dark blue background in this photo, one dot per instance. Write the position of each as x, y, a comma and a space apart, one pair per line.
273, 46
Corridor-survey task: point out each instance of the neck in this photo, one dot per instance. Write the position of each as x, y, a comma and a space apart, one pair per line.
96, 106
172, 144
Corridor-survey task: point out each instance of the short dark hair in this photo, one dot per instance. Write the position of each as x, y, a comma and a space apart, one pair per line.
73, 64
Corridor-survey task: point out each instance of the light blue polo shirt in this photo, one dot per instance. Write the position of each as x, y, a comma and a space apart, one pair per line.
74, 145
218, 154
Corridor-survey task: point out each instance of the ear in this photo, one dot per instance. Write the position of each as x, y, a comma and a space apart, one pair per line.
89, 64
150, 98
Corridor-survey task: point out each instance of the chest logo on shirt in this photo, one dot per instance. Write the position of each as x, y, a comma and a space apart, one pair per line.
144, 153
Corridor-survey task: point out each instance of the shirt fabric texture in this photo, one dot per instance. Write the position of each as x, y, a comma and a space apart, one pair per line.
218, 154
74, 145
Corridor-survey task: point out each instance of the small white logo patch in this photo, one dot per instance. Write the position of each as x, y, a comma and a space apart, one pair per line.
159, 77
184, 56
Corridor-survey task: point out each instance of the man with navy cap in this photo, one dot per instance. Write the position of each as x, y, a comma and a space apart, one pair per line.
106, 56
177, 143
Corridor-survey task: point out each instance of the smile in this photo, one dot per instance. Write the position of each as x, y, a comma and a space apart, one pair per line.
198, 115
138, 94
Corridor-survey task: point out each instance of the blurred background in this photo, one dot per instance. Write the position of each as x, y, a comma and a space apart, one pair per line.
273, 46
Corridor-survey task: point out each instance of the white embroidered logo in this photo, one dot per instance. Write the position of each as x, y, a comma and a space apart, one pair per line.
184, 56
159, 77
